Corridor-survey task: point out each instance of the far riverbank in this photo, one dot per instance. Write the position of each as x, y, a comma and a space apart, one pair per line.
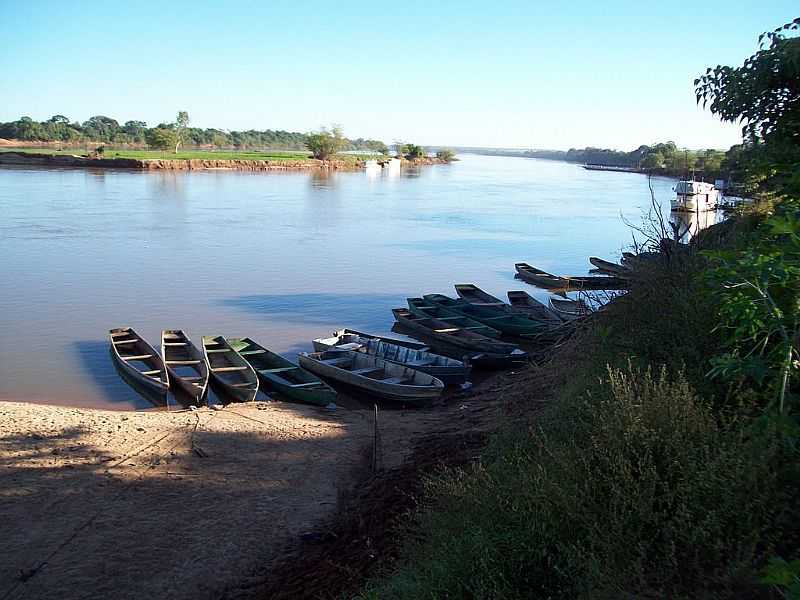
195, 164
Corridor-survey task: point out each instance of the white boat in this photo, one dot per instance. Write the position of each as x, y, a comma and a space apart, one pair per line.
695, 196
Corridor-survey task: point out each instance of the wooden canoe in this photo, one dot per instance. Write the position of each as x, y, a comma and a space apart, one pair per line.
449, 370
139, 360
455, 342
232, 374
570, 309
283, 376
423, 308
610, 268
187, 367
373, 375
524, 302
548, 281
490, 316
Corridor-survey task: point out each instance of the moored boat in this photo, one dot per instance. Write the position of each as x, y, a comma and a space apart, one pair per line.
445, 338
188, 369
609, 268
570, 309
233, 375
448, 370
524, 302
373, 375
423, 308
546, 280
283, 376
491, 316
139, 360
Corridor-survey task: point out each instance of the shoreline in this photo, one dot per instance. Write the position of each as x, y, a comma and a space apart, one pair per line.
14, 157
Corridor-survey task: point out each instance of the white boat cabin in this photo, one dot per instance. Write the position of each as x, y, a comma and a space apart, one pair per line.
695, 196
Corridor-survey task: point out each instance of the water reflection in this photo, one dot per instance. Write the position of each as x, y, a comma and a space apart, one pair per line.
322, 179
689, 224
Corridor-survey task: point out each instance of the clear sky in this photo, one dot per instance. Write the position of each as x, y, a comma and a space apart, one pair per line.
535, 73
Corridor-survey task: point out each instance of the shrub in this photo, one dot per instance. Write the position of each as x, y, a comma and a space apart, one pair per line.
446, 154
634, 488
324, 143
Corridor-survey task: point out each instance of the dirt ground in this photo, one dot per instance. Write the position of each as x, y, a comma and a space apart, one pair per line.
192, 504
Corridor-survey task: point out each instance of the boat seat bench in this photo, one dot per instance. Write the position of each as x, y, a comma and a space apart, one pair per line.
336, 361
302, 385
153, 372
281, 370
219, 350
396, 380
367, 371
226, 369
183, 362
136, 357
120, 342
249, 352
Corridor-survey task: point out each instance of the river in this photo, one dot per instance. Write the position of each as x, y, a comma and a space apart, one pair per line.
280, 257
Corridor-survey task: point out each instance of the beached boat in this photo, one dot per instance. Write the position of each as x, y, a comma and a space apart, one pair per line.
423, 308
448, 370
188, 370
389, 340
491, 316
373, 375
609, 268
570, 309
232, 374
445, 338
283, 376
695, 196
546, 280
139, 360
524, 302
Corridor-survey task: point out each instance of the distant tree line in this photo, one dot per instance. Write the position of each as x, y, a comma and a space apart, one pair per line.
664, 158
105, 130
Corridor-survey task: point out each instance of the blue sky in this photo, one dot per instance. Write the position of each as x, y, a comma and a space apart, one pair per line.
503, 74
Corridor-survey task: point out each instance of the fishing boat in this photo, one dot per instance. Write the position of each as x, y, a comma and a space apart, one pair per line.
187, 367
491, 316
609, 268
475, 295
389, 340
546, 280
449, 370
232, 374
524, 302
570, 309
139, 360
283, 376
423, 308
445, 338
373, 375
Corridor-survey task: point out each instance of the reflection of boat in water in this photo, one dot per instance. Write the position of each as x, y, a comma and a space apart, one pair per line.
695, 196
689, 224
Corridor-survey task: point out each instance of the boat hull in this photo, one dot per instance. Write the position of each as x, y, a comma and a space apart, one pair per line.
119, 338
241, 387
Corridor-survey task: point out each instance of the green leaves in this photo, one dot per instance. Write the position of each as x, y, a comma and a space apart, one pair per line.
783, 575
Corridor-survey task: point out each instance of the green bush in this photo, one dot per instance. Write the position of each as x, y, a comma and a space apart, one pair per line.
633, 489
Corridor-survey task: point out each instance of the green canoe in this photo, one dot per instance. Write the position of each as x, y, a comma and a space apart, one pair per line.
427, 310
488, 315
282, 375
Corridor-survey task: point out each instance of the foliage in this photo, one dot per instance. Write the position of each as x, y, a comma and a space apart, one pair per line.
103, 129
633, 489
413, 152
181, 124
784, 576
446, 154
324, 143
161, 138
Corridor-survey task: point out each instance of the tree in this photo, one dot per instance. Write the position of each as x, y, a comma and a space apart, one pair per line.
653, 160
181, 123
325, 143
160, 138
59, 119
413, 151
446, 154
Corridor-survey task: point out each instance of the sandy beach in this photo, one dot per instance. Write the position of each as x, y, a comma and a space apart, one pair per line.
102, 504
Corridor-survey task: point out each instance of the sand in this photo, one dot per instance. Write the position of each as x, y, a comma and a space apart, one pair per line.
107, 504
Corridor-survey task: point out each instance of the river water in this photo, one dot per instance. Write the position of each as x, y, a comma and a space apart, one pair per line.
280, 257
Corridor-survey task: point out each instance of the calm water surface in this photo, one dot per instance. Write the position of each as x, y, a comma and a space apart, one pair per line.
282, 258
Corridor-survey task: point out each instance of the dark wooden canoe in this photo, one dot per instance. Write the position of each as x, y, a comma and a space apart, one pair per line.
423, 308
373, 375
283, 376
490, 316
548, 281
449, 370
139, 360
232, 374
188, 369
524, 302
445, 338
570, 309
610, 268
